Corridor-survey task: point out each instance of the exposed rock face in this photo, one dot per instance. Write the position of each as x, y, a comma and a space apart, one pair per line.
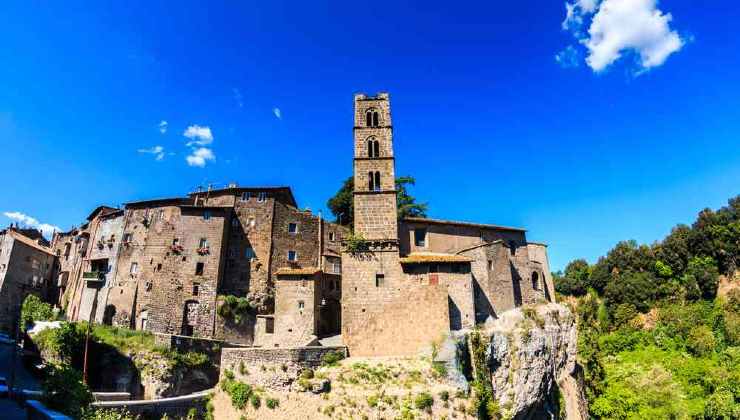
531, 350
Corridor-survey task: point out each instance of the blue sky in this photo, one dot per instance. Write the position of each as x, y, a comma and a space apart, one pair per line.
616, 122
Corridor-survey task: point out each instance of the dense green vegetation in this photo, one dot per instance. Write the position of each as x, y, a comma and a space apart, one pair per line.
33, 309
655, 339
341, 204
235, 309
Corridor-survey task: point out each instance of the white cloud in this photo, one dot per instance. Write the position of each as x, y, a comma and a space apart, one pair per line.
569, 57
621, 27
277, 113
29, 221
198, 135
200, 156
157, 151
163, 126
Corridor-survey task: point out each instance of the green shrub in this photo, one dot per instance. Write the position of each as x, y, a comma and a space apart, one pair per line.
235, 309
64, 391
444, 395
33, 309
239, 393
332, 358
701, 341
191, 360
272, 403
255, 400
108, 414
373, 400
439, 369
424, 401
307, 374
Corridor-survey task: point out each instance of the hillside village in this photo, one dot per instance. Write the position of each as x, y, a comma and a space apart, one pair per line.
243, 280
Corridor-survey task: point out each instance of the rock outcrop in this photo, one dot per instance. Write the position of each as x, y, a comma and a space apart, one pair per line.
529, 352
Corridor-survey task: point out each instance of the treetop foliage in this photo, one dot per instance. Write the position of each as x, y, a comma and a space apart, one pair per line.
341, 204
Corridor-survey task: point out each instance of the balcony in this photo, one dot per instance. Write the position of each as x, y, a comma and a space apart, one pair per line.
94, 278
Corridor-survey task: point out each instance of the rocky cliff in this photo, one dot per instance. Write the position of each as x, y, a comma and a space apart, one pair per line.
528, 355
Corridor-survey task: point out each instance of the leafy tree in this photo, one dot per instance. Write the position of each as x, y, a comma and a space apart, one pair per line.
341, 204
33, 309
635, 288
703, 272
64, 391
575, 280
407, 205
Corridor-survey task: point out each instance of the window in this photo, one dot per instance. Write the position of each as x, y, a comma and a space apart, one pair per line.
301, 305
134, 268
535, 281
203, 243
249, 253
246, 195
371, 118
371, 182
420, 237
262, 196
127, 237
67, 247
207, 215
490, 265
292, 227
292, 256
269, 325
336, 268
235, 222
196, 289
377, 181
332, 236
159, 267
379, 280
199, 268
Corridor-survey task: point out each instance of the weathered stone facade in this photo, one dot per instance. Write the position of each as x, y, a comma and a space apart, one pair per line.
26, 267
417, 279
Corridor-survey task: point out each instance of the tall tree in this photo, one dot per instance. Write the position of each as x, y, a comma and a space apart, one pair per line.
342, 209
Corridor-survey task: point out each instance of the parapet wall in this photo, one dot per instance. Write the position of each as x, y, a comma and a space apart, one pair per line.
255, 356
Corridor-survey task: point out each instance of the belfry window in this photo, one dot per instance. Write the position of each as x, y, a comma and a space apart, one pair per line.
371, 182
371, 118
377, 181
535, 281
373, 147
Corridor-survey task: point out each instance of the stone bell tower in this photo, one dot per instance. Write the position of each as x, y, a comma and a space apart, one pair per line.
375, 213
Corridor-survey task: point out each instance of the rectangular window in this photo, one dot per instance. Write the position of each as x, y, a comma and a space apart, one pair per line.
420, 237
301, 305
249, 253
292, 256
159, 267
262, 196
490, 265
246, 195
134, 268
269, 325
379, 280
206, 215
196, 289
199, 268
292, 227
337, 268
332, 236
203, 243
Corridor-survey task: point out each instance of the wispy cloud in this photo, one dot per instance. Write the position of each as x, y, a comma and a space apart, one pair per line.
569, 57
278, 114
238, 97
619, 27
163, 126
198, 135
200, 156
157, 151
29, 221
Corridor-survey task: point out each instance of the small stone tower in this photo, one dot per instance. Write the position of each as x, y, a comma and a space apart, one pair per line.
374, 169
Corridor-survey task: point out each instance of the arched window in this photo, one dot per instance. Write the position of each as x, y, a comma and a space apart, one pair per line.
376, 148
377, 181
369, 118
535, 280
371, 182
370, 147
375, 119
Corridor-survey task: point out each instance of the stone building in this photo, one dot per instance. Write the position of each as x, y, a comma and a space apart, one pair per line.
410, 282
27, 265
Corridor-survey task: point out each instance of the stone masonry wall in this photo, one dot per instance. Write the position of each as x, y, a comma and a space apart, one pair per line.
396, 317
